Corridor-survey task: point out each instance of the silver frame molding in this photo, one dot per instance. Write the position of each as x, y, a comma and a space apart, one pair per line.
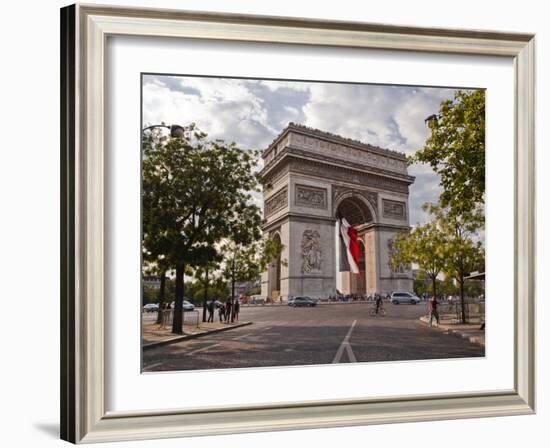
84, 418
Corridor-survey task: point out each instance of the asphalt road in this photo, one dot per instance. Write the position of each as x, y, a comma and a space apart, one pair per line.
285, 336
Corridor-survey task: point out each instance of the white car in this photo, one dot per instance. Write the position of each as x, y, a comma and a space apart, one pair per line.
151, 307
404, 297
187, 306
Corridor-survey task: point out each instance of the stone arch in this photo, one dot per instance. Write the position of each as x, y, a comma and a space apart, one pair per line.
360, 212
274, 270
353, 199
316, 173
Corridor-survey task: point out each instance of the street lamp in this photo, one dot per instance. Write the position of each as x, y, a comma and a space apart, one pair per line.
433, 117
175, 129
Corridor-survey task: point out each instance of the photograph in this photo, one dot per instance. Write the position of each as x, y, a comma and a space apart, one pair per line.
304, 222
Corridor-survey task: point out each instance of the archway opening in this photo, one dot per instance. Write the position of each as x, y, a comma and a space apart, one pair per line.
358, 215
275, 273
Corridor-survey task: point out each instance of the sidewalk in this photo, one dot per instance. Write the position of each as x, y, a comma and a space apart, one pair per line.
154, 336
465, 331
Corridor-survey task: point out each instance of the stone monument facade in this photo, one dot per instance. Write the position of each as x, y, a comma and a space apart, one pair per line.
315, 177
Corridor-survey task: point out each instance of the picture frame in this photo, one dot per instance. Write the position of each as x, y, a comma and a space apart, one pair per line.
84, 416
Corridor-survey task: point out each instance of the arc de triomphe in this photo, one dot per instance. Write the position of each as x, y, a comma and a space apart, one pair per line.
316, 176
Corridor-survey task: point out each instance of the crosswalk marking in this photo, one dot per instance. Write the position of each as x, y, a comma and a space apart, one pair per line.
345, 346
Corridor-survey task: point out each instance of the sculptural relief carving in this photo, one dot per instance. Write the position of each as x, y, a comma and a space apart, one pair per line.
276, 202
394, 209
307, 196
311, 252
347, 175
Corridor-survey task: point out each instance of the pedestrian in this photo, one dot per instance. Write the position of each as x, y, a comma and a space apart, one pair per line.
221, 311
434, 313
210, 306
227, 310
236, 310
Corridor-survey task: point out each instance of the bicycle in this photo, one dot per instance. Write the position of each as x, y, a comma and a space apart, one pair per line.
381, 311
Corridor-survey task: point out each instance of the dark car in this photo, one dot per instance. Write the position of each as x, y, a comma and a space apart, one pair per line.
302, 301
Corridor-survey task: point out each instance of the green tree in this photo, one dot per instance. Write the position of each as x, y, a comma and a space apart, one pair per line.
217, 288
424, 246
464, 252
191, 188
204, 274
155, 242
246, 260
455, 150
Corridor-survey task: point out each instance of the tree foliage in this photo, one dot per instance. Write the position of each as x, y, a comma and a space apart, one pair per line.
455, 150
424, 246
245, 262
193, 190
464, 252
447, 244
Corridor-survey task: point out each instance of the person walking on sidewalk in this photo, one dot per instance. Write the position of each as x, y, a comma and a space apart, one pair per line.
221, 311
236, 309
434, 313
228, 308
210, 311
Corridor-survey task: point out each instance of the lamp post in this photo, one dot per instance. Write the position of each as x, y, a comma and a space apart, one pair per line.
431, 118
175, 129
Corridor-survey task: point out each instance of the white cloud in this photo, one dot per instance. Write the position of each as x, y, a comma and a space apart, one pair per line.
289, 85
223, 108
252, 113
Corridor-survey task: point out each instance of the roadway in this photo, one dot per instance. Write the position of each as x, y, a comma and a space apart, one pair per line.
285, 336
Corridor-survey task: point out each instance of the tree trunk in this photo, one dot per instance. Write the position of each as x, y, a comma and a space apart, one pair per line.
162, 295
205, 298
434, 286
462, 305
232, 298
177, 325
233, 291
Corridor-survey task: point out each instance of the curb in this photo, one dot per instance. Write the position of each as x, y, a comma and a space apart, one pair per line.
185, 337
472, 339
442, 327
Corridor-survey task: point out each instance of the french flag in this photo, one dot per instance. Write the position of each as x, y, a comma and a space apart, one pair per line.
349, 255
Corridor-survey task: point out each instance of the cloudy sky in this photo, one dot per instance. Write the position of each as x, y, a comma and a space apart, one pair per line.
253, 112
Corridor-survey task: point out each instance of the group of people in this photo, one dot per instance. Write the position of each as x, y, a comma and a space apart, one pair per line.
357, 297
227, 312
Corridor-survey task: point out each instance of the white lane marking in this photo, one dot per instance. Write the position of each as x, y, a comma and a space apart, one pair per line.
240, 337
345, 345
198, 350
202, 349
152, 366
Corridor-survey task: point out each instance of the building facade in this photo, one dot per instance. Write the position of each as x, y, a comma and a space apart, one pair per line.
315, 177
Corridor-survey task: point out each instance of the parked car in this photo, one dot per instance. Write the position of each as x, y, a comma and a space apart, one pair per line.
217, 303
187, 305
302, 301
404, 297
151, 307
257, 299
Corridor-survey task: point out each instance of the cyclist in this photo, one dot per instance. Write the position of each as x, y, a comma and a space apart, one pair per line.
378, 302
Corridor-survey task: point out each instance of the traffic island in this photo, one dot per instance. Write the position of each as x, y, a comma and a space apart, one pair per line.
472, 332
154, 335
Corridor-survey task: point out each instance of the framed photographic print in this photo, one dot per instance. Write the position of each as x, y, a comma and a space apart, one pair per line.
280, 223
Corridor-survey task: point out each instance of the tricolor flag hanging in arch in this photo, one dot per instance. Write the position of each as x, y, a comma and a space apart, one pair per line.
349, 253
